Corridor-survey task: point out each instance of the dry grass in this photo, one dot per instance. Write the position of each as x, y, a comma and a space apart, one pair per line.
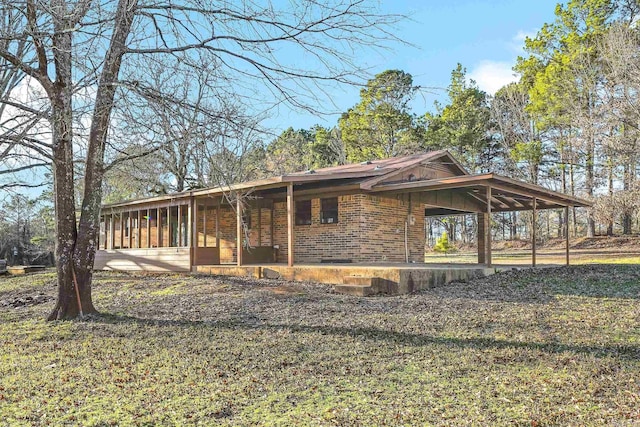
544, 347
583, 250
545, 256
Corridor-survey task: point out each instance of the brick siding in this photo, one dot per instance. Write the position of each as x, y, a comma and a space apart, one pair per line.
369, 229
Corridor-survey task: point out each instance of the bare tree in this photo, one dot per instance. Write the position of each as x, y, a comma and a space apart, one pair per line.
98, 47
518, 132
620, 56
21, 151
180, 134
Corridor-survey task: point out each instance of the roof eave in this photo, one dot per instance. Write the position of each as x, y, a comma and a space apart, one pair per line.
488, 179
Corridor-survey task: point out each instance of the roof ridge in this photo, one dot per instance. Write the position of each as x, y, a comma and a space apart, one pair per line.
389, 160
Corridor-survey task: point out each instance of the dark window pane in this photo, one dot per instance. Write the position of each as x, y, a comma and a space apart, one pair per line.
329, 210
303, 212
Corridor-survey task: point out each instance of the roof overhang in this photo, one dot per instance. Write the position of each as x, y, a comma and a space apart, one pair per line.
507, 194
246, 187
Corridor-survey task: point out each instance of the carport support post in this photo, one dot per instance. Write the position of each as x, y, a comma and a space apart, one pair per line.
139, 230
148, 228
129, 228
290, 213
179, 233
121, 230
487, 229
112, 232
566, 233
481, 239
189, 226
158, 228
534, 223
239, 244
193, 233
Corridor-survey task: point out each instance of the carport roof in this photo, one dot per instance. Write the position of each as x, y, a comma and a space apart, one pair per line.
507, 194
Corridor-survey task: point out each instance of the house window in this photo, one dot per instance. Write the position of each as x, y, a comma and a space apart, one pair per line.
329, 210
303, 212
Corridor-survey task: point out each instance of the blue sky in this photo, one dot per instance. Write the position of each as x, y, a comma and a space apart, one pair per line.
485, 36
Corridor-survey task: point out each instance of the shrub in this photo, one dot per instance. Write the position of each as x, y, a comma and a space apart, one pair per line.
443, 245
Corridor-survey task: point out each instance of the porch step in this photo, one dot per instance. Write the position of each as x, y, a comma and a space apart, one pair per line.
362, 286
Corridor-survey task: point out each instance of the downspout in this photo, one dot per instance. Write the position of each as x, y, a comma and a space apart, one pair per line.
406, 241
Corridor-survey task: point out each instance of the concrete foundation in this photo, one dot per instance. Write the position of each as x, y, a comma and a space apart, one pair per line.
389, 279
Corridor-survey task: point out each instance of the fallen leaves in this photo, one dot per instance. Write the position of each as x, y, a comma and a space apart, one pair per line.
531, 347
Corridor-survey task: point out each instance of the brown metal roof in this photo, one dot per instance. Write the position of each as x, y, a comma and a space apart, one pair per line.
368, 169
373, 167
372, 173
509, 193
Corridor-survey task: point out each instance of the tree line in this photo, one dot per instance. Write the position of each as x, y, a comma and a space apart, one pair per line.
571, 122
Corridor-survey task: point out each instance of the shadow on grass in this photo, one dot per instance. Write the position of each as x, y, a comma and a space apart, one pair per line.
596, 281
542, 285
631, 352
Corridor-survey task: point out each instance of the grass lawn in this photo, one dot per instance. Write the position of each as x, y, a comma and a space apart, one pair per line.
545, 256
534, 348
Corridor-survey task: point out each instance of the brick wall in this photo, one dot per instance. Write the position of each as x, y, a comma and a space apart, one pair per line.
227, 235
209, 214
383, 229
227, 231
369, 229
261, 228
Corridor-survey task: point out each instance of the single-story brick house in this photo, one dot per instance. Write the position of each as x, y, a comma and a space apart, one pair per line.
371, 212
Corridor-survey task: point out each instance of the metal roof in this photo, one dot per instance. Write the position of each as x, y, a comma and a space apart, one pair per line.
371, 174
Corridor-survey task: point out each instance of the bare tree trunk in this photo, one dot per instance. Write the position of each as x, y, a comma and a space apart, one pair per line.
66, 306
84, 244
627, 215
548, 218
572, 185
463, 231
589, 184
610, 185
60, 94
563, 176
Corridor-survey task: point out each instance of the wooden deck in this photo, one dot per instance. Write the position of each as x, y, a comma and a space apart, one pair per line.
362, 279
145, 259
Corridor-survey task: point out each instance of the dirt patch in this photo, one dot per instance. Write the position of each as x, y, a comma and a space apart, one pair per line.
28, 300
286, 290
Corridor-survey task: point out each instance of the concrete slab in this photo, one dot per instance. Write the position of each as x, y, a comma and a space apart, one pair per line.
393, 279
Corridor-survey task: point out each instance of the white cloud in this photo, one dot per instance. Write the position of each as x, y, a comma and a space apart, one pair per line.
492, 75
517, 42
521, 36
